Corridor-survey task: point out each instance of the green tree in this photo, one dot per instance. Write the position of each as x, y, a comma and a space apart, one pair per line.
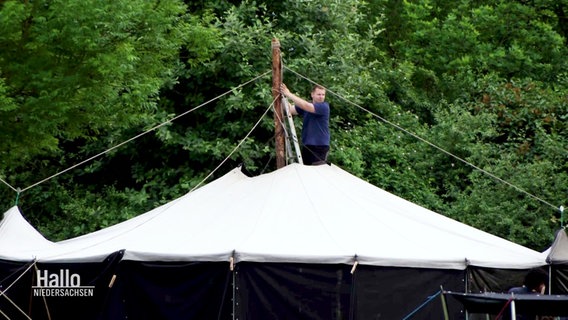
78, 77
78, 68
409, 83
489, 80
525, 146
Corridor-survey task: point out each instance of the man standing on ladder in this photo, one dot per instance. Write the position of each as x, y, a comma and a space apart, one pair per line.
315, 127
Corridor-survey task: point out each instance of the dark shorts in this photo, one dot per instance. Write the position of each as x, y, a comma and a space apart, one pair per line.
314, 155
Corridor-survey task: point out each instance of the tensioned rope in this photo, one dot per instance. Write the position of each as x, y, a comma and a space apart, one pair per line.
9, 185
167, 205
430, 298
44, 300
4, 295
135, 137
429, 143
18, 190
237, 147
5, 315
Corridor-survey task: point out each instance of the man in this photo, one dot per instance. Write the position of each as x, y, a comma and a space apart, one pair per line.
315, 127
534, 283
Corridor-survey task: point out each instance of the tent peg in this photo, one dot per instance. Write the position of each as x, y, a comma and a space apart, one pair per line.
111, 283
354, 267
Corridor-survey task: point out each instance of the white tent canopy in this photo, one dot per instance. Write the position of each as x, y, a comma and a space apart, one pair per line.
17, 236
558, 251
304, 214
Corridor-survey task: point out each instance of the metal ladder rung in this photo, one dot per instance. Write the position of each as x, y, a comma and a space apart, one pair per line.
292, 129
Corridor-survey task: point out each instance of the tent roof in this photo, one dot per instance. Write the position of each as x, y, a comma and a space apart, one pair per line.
305, 214
17, 235
558, 252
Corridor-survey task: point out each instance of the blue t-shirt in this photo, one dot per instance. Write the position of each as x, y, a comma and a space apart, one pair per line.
315, 127
520, 290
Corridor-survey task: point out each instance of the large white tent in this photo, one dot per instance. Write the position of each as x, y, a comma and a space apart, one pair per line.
302, 242
303, 214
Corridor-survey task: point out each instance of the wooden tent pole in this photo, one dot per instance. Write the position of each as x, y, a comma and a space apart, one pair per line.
278, 115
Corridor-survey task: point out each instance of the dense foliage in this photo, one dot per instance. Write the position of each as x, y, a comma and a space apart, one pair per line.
459, 106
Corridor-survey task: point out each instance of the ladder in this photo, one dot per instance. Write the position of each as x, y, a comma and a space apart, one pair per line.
291, 134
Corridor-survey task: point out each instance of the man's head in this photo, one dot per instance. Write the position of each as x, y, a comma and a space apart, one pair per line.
536, 280
318, 94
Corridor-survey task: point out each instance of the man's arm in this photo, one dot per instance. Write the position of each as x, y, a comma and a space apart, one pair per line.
292, 109
299, 102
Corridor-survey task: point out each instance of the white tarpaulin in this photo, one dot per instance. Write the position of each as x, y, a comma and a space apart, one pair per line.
17, 235
558, 252
305, 214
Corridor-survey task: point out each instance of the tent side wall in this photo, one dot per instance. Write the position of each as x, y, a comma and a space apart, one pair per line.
300, 291
171, 290
494, 280
210, 290
379, 289
55, 290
